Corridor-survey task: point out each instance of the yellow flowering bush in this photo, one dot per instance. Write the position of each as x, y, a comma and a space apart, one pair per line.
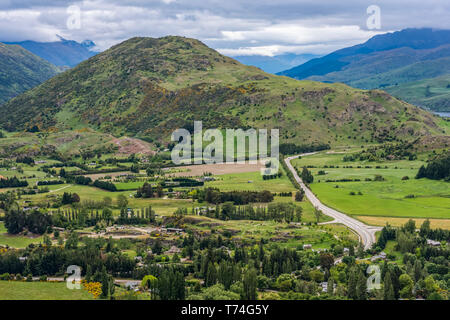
94, 288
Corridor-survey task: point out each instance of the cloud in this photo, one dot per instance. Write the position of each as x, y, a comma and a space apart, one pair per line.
274, 50
234, 26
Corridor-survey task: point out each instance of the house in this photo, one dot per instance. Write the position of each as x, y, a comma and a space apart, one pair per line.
433, 243
381, 256
30, 208
132, 285
172, 230
307, 246
173, 250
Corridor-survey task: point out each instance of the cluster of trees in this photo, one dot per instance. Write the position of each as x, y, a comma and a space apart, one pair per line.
437, 169
213, 195
272, 176
50, 182
17, 220
82, 180
70, 198
387, 151
142, 216
105, 185
26, 160
306, 175
147, 191
182, 182
280, 212
13, 182
75, 218
95, 257
291, 148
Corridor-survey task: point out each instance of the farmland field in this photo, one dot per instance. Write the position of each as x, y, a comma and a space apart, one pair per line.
252, 181
216, 169
15, 241
393, 197
18, 290
397, 222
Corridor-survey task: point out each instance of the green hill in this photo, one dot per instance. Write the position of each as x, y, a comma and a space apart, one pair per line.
147, 87
20, 70
433, 93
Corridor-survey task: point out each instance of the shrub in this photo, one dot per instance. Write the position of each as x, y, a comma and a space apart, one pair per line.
5, 277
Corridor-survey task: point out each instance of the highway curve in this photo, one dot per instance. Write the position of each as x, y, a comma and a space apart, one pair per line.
365, 232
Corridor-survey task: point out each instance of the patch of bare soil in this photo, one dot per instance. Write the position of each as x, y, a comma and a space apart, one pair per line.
129, 146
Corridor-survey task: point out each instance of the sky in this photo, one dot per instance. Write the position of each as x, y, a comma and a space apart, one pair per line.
245, 27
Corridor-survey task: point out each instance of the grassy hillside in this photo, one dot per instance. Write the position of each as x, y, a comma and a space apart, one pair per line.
148, 87
433, 93
20, 70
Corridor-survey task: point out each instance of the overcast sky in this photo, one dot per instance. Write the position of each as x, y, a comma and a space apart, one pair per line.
233, 27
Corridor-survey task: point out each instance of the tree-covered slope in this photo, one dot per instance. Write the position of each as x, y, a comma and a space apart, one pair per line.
148, 87
20, 70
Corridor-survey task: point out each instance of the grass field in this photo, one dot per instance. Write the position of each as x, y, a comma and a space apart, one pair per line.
17, 290
397, 222
252, 181
389, 198
15, 241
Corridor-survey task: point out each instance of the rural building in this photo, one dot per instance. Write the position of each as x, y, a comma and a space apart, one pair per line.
381, 256
433, 243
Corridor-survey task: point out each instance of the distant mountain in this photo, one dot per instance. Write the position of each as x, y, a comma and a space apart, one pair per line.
20, 70
386, 61
63, 53
276, 63
146, 87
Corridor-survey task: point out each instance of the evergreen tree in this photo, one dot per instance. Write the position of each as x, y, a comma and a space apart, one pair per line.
361, 287
250, 285
352, 283
389, 293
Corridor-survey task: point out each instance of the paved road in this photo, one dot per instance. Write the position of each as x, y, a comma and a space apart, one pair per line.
365, 232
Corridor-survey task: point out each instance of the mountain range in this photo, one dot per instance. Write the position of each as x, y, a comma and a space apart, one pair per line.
147, 87
63, 53
276, 63
398, 62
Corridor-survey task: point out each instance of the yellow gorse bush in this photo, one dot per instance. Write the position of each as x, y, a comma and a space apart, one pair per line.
94, 288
